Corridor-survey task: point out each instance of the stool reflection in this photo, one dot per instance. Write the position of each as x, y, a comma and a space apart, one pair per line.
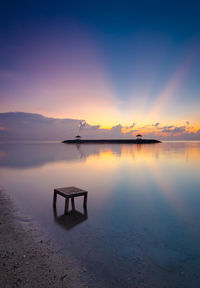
73, 218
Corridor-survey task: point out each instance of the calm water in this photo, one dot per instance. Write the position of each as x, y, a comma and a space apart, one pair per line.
142, 225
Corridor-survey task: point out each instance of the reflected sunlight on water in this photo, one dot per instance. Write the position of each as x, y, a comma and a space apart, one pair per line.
143, 204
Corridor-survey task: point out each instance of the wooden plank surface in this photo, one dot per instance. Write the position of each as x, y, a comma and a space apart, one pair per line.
70, 191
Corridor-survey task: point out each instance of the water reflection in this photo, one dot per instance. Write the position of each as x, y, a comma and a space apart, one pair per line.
22, 155
70, 220
143, 206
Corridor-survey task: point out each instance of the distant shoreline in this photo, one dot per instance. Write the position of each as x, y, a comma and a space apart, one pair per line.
112, 141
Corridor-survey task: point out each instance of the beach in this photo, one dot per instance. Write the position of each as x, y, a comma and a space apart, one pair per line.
27, 257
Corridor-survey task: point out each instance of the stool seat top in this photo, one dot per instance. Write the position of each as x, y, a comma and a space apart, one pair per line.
70, 191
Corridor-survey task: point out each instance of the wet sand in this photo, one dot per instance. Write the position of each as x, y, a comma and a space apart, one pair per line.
27, 257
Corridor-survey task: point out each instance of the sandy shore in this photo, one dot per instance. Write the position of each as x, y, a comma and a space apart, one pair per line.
27, 257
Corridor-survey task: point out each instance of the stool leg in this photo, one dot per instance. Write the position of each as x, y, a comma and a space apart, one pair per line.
73, 203
66, 205
54, 199
85, 211
85, 201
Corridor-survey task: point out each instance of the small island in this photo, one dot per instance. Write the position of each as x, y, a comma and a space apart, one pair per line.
111, 141
138, 140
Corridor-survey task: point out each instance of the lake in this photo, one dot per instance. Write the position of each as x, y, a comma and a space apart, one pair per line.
142, 224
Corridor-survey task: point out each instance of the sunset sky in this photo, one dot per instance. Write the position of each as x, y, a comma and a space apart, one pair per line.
130, 63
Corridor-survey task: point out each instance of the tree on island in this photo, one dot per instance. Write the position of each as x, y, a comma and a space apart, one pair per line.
139, 137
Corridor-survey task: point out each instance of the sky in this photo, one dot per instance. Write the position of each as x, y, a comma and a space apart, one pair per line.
134, 65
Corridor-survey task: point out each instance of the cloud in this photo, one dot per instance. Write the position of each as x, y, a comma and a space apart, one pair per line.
82, 124
117, 127
173, 129
133, 125
156, 124
128, 130
179, 129
30, 126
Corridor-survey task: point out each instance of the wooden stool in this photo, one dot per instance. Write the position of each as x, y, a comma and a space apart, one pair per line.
69, 192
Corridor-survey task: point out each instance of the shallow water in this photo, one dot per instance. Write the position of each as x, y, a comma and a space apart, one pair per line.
142, 224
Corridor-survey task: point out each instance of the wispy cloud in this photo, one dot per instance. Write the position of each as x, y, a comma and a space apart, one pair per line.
156, 124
